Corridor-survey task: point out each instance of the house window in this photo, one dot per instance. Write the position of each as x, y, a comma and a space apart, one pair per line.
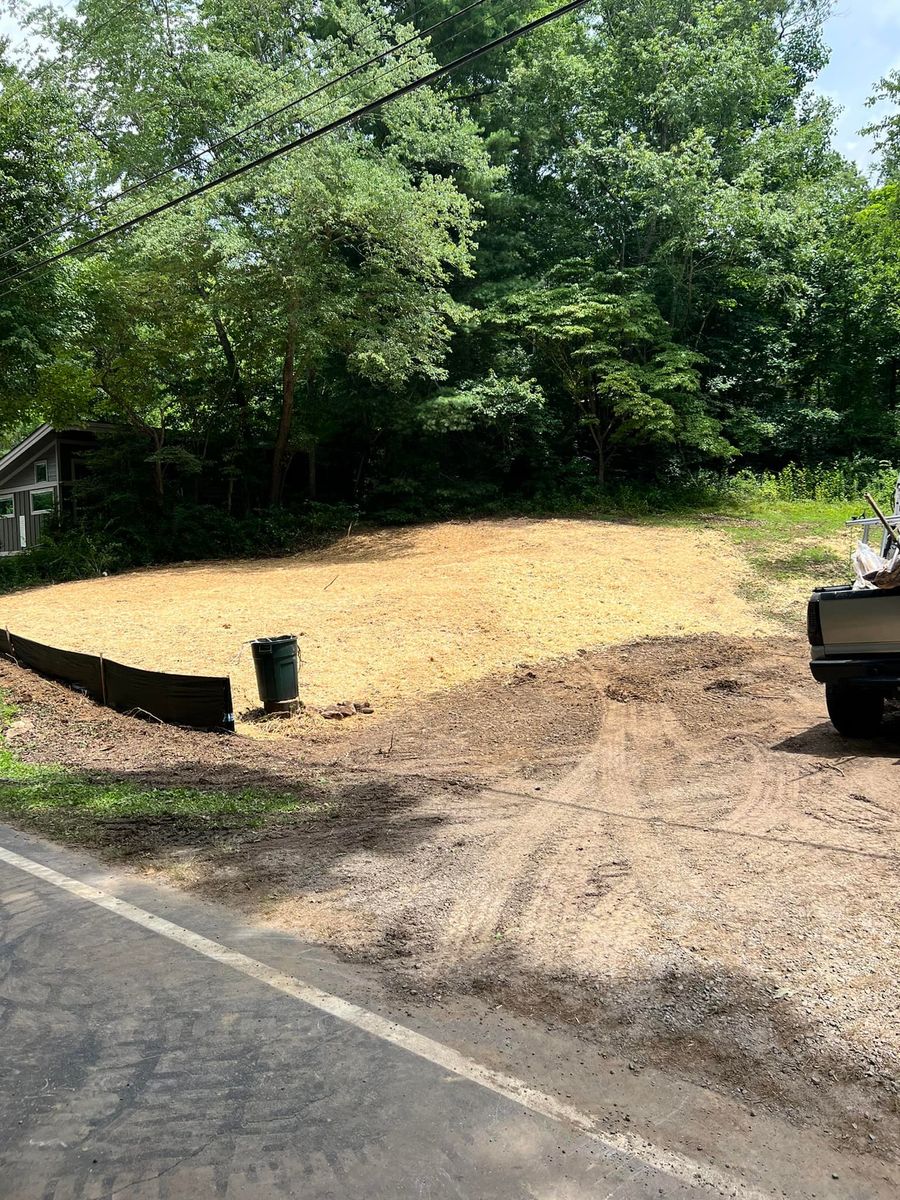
42, 502
40, 471
7, 506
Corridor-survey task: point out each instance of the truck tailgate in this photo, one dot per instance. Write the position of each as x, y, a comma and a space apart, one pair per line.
853, 623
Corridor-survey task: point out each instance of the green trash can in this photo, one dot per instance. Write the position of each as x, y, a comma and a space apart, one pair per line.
277, 677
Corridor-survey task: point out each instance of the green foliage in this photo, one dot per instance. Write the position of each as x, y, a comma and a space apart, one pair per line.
622, 255
190, 533
613, 355
887, 130
38, 141
62, 554
828, 482
483, 404
81, 808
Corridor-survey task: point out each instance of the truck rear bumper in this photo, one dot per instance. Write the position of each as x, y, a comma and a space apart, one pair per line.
874, 670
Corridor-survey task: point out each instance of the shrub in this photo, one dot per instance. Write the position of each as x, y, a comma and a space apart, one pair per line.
62, 554
196, 532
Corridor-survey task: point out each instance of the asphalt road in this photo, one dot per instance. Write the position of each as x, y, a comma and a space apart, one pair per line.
147, 1052
134, 1066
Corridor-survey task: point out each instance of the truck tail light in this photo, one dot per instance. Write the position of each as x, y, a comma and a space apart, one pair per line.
814, 623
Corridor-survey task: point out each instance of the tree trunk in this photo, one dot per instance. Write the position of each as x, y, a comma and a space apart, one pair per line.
311, 469
592, 406
236, 381
280, 456
158, 479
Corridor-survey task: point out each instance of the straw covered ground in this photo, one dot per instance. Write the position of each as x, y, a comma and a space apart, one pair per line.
405, 613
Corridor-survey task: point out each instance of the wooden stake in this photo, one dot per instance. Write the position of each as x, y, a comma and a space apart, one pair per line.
892, 533
102, 681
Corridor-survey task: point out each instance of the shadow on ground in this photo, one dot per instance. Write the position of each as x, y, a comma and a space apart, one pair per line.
326, 824
823, 741
721, 1028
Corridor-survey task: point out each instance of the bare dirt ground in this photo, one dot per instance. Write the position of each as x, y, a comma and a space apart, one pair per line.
405, 613
662, 844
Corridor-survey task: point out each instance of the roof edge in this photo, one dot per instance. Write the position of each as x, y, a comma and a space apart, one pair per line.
11, 456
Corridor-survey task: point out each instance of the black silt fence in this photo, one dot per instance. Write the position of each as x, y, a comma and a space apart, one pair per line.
201, 701
198, 701
84, 671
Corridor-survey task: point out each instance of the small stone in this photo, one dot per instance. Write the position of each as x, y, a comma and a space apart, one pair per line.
19, 728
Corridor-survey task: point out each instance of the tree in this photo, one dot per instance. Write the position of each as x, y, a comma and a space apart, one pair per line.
674, 143
38, 142
331, 265
627, 239
887, 130
613, 355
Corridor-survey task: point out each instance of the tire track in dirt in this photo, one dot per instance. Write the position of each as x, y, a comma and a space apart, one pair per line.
621, 914
476, 914
550, 861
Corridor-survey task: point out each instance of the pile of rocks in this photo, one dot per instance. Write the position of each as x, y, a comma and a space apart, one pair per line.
344, 709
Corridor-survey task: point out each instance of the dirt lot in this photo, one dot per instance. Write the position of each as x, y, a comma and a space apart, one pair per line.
403, 614
662, 844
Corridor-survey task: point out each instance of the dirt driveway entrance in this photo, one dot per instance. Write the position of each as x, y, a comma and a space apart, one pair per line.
663, 846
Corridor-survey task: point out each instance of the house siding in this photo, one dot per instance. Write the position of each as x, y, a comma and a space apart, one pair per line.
61, 450
23, 528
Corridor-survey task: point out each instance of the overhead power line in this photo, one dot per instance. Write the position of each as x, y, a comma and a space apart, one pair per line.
102, 205
313, 135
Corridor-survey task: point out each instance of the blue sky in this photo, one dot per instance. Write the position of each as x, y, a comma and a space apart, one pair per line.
865, 39
864, 36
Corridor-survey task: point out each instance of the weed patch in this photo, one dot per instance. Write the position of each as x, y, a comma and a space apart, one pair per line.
76, 807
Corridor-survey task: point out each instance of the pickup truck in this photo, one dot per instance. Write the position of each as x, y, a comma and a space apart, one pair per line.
854, 636
854, 639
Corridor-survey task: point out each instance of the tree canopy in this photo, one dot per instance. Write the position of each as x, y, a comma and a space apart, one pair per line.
624, 247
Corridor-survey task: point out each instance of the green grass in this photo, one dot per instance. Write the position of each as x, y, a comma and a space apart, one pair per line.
8, 712
74, 807
789, 539
785, 520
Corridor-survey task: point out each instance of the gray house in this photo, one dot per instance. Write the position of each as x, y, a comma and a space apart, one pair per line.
36, 478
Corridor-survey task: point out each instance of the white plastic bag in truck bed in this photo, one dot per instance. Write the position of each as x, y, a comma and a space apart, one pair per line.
873, 571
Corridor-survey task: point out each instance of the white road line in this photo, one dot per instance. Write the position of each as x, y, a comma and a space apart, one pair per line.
613, 1144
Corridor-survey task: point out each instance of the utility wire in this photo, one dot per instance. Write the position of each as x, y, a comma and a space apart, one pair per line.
313, 135
354, 91
102, 205
106, 201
